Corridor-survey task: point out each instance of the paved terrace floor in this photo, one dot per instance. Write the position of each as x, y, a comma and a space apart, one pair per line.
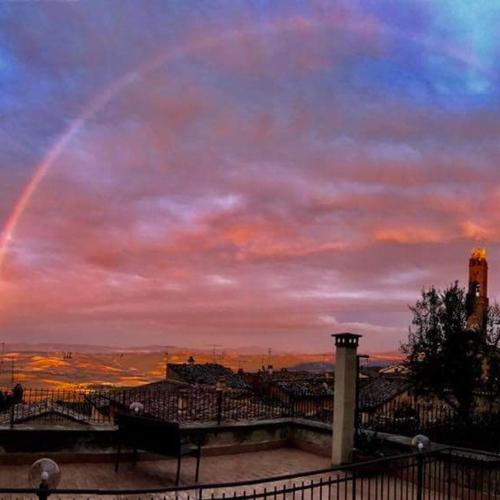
161, 473
218, 469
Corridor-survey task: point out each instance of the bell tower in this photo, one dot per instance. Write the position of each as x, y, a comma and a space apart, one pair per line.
477, 296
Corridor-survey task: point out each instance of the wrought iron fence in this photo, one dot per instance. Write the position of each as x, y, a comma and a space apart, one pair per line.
202, 404
176, 405
449, 473
406, 417
442, 423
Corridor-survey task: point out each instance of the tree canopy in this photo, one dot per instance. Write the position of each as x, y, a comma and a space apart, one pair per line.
447, 359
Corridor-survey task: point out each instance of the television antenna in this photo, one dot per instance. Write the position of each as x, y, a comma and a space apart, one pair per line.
214, 351
240, 362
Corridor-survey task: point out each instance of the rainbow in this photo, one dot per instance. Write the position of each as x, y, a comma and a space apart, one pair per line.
102, 99
98, 102
50, 158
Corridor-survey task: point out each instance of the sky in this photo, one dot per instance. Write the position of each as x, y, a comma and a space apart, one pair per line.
258, 173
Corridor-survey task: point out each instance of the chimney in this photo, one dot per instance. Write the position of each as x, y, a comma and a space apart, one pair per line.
344, 405
221, 384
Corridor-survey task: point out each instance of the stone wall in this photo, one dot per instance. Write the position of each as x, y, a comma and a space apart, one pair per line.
24, 444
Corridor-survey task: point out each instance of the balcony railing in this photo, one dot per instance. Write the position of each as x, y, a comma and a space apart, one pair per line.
183, 406
203, 405
448, 473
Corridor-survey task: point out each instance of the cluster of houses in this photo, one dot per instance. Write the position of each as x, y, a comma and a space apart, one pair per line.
210, 392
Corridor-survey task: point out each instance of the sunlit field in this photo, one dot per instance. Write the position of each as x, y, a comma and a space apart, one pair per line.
87, 370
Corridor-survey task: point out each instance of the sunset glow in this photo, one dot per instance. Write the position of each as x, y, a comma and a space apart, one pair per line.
250, 175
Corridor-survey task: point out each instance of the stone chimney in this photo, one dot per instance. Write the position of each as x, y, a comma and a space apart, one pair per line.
344, 407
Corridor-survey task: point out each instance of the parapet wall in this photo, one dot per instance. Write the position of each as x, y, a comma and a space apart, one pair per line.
24, 444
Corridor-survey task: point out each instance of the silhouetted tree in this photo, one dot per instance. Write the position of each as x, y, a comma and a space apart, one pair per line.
444, 357
17, 393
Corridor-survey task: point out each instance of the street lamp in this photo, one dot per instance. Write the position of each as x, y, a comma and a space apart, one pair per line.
136, 408
421, 442
45, 475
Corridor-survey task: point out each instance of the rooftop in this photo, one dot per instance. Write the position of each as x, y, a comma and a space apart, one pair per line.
304, 384
381, 390
206, 374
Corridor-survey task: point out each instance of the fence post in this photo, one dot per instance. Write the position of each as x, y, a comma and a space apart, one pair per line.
11, 417
420, 476
354, 476
449, 474
219, 406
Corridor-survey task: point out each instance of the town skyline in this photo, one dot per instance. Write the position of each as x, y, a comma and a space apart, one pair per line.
260, 174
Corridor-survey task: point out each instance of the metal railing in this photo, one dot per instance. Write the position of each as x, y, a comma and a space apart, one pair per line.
179, 405
448, 473
406, 417
442, 423
202, 404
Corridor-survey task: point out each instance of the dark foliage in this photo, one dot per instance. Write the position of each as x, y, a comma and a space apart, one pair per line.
446, 359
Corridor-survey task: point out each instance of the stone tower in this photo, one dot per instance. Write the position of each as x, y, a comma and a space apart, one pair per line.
477, 296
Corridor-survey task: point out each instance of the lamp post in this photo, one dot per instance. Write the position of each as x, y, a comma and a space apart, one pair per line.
182, 403
219, 389
44, 475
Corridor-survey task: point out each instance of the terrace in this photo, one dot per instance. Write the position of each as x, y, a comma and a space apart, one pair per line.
254, 444
445, 473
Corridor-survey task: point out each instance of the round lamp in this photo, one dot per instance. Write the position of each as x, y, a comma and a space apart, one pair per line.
44, 472
421, 442
136, 408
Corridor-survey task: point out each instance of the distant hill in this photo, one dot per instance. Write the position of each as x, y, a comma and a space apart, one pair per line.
377, 360
385, 358
312, 366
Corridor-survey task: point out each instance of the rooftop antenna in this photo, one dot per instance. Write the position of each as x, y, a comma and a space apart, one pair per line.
241, 362
166, 357
214, 351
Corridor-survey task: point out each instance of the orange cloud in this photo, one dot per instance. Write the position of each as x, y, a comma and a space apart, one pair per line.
241, 234
476, 231
410, 235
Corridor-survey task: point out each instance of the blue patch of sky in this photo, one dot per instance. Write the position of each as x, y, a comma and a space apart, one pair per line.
440, 53
426, 78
